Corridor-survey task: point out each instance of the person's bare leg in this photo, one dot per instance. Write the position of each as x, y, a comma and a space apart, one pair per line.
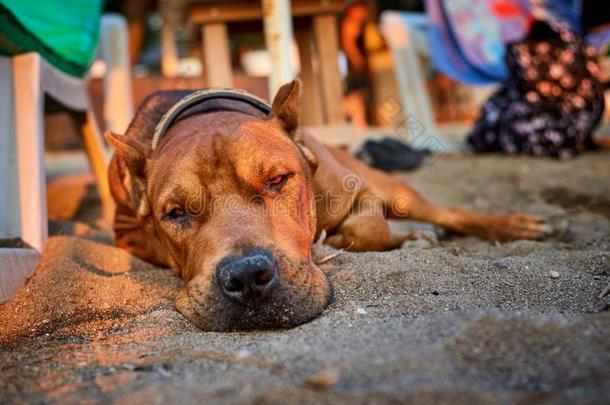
136, 12
355, 109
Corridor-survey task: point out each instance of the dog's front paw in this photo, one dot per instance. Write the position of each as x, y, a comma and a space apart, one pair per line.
421, 238
518, 226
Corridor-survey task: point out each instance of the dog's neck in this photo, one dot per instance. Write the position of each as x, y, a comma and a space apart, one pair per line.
207, 101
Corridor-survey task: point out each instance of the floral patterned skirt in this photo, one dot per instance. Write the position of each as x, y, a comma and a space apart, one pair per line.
551, 103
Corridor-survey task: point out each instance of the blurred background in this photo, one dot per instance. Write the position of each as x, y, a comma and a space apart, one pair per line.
368, 66
509, 76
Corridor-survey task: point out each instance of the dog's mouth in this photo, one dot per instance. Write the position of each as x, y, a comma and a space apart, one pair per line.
299, 295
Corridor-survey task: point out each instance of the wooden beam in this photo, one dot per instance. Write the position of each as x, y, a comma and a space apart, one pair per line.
312, 107
278, 40
233, 11
327, 46
216, 55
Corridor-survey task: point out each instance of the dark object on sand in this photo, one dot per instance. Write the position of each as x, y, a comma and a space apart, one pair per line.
390, 154
552, 100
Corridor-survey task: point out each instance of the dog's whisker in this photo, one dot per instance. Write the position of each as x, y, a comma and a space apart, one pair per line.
321, 238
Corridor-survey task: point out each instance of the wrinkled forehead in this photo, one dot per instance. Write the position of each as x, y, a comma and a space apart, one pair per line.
198, 149
264, 141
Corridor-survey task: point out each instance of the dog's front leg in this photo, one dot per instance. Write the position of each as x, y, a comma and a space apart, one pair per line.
365, 227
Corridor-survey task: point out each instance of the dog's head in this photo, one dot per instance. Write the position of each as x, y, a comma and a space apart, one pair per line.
230, 198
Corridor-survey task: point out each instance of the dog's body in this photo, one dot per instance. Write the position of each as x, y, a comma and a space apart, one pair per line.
232, 200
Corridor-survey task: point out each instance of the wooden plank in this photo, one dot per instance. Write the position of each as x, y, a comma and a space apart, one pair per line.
278, 40
216, 55
234, 11
312, 106
327, 46
16, 264
29, 120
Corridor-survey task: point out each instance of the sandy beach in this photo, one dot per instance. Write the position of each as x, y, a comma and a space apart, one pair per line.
461, 321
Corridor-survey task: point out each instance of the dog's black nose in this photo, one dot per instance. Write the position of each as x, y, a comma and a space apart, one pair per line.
248, 278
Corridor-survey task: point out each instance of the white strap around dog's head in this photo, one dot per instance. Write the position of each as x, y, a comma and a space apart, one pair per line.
200, 96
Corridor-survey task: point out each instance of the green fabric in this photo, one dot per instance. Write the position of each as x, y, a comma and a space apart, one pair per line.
64, 32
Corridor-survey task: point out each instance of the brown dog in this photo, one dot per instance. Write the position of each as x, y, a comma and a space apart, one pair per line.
232, 198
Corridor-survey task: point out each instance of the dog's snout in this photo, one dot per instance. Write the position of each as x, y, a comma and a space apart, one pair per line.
248, 278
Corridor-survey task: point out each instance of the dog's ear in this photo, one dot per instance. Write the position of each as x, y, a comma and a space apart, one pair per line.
286, 106
286, 110
133, 154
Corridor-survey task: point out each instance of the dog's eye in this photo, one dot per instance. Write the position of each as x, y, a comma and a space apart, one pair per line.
175, 213
276, 183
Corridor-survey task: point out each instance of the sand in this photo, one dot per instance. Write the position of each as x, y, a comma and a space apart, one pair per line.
462, 321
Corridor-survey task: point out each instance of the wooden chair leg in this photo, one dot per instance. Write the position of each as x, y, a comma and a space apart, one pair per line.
216, 55
169, 50
98, 160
